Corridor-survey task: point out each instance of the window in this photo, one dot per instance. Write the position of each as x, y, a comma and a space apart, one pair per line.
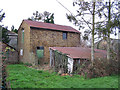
21, 52
64, 35
40, 51
22, 35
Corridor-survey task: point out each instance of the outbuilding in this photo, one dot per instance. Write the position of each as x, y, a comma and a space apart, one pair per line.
66, 59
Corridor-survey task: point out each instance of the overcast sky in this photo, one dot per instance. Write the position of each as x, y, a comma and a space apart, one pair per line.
17, 10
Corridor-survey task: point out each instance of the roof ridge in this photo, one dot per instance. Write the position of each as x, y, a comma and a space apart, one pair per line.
50, 26
48, 23
9, 31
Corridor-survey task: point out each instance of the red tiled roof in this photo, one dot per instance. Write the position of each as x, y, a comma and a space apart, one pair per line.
50, 26
80, 52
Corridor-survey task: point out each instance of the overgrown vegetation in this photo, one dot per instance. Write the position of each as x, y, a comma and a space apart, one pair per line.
4, 55
100, 68
61, 61
21, 76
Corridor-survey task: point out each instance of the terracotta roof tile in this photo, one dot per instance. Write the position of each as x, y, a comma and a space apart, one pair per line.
50, 26
80, 52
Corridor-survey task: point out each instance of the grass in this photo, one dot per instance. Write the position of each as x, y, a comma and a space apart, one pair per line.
21, 76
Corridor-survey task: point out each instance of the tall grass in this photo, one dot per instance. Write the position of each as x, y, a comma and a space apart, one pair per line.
21, 76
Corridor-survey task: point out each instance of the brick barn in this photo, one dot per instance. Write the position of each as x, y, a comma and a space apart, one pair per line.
35, 38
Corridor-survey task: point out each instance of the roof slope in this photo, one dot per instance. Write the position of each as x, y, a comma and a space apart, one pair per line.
3, 46
50, 26
80, 52
11, 33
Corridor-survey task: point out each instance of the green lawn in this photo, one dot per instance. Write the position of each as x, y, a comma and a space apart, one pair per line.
21, 76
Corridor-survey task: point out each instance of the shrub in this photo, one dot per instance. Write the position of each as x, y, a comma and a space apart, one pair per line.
100, 68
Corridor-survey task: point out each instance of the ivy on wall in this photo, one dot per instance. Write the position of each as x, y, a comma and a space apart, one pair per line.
61, 62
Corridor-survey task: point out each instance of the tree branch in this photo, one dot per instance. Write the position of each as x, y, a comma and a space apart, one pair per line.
87, 23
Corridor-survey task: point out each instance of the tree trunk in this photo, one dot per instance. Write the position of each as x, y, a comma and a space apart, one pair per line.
108, 27
93, 28
0, 34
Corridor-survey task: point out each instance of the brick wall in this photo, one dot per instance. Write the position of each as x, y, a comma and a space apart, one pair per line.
26, 45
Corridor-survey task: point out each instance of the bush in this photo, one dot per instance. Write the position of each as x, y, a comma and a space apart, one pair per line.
100, 68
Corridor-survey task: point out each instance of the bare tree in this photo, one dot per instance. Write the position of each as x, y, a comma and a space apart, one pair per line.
86, 18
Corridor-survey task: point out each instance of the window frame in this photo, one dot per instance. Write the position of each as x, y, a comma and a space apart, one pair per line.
40, 48
21, 52
64, 35
22, 35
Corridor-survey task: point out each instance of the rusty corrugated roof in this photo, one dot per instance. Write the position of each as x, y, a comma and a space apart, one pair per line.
80, 52
50, 26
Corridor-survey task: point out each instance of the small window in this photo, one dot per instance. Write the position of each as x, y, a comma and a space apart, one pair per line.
64, 35
40, 52
21, 52
22, 35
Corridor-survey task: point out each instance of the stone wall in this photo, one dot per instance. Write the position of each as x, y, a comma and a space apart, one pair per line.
26, 45
34, 38
50, 38
102, 44
12, 56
